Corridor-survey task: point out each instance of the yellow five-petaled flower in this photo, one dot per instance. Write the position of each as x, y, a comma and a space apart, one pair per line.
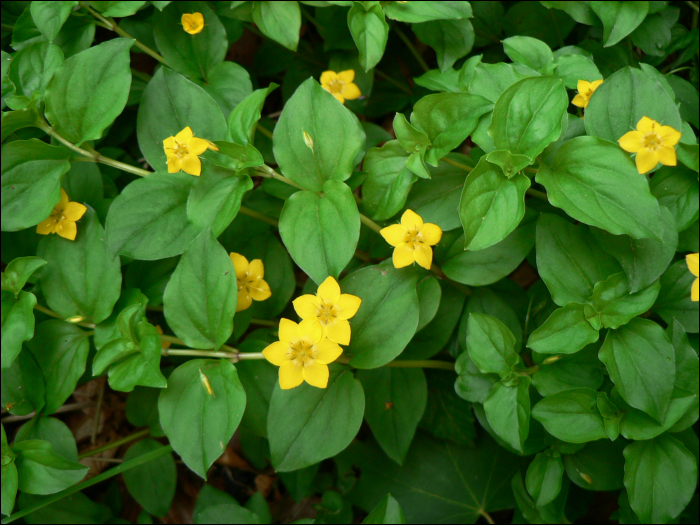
585, 90
62, 219
330, 309
249, 276
340, 85
302, 353
652, 142
692, 260
193, 23
182, 152
412, 240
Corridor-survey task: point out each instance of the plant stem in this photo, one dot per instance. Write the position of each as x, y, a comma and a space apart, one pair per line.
265, 322
692, 5
268, 172
65, 408
127, 465
456, 164
115, 444
528, 371
428, 363
51, 313
392, 80
370, 223
263, 130
537, 194
244, 356
410, 47
486, 516
198, 353
178, 341
255, 215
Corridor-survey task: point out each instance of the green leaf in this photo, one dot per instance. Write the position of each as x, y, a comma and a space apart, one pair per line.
489, 80
571, 415
52, 430
31, 182
258, 378
661, 462
447, 416
9, 477
528, 51
619, 18
49, 17
42, 471
579, 370
641, 362
387, 511
148, 220
492, 205
674, 300
429, 294
550, 513
197, 423
61, 350
599, 465
33, 67
491, 345
389, 299
686, 358
544, 477
579, 11
417, 12
200, 299
595, 182
528, 115
508, 411
298, 421
510, 164
83, 183
395, 399
411, 139
229, 84
170, 103
652, 36
388, 182
117, 9
75, 508
142, 409
89, 91
566, 331
16, 120
471, 384
25, 32
677, 189
23, 386
336, 134
17, 324
152, 484
243, 120
257, 504
280, 21
451, 39
623, 99
369, 31
614, 305
572, 68
321, 231
638, 426
499, 305
81, 279
192, 55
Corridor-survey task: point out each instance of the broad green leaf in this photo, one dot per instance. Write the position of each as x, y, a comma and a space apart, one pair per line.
89, 91
652, 36
510, 164
446, 415
661, 462
299, 419
192, 55
9, 477
551, 513
508, 411
413, 140
599, 465
118, 9
490, 80
572, 68
491, 206
579, 370
321, 231
674, 300
417, 12
76, 35
16, 120
83, 183
25, 32
544, 477
579, 11
387, 511
280, 21
82, 279
641, 362
528, 51
23, 386
152, 484
613, 305
638, 426
19, 271
336, 134
686, 358
369, 31
171, 103
395, 399
42, 471
226, 513
491, 345
258, 378
677, 189
566, 331
595, 182
571, 415
528, 115
148, 220
436, 80
61, 350
243, 120
499, 305
33, 67
200, 299
258, 505
108, 330
228, 84
52, 430
49, 17
17, 324
142, 409
429, 295
76, 508
619, 18
388, 182
471, 384
31, 182
199, 424
451, 39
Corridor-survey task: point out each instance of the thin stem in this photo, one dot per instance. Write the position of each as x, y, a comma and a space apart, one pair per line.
311, 19
528, 371
244, 356
8, 27
178, 341
265, 322
370, 224
677, 70
98, 409
693, 6
268, 172
442, 365
51, 313
127, 465
537, 194
486, 516
198, 353
456, 164
392, 80
255, 215
115, 444
65, 408
263, 130
410, 47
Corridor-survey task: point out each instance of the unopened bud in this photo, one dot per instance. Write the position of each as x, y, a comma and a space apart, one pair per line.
586, 478
205, 383
75, 319
551, 360
308, 140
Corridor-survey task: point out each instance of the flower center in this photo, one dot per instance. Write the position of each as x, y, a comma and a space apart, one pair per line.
414, 239
181, 150
302, 353
336, 85
652, 141
327, 313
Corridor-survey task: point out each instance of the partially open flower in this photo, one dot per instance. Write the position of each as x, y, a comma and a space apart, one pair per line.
62, 219
249, 276
193, 23
585, 91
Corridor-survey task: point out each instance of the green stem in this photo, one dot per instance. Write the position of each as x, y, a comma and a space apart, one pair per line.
692, 5
263, 130
178, 341
677, 70
311, 19
127, 465
370, 224
537, 194
244, 356
410, 47
392, 80
140, 74
117, 164
51, 313
115, 444
528, 371
456, 164
265, 322
443, 365
8, 27
255, 215
198, 353
268, 172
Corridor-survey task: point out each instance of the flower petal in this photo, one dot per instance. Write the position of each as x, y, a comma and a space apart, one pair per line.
67, 230
197, 146
192, 165
290, 375
240, 264
348, 305
339, 332
311, 329
289, 331
259, 290
339, 97
580, 101
582, 86
46, 227
174, 164
646, 160
692, 261
347, 76
184, 136
350, 91
307, 306
169, 143
327, 77
244, 300
74, 211
315, 374
327, 351
695, 291
595, 85
669, 136
394, 234
645, 125
277, 353
411, 220
329, 291
403, 256
424, 256
631, 141
666, 155
432, 233
256, 270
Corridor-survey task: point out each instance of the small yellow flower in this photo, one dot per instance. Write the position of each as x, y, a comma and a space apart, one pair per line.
412, 240
585, 90
249, 276
330, 309
182, 151
193, 23
340, 85
62, 219
692, 260
652, 143
302, 353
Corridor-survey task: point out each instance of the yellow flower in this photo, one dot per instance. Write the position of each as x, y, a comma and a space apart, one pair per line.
652, 143
302, 353
692, 260
182, 151
340, 85
249, 276
412, 240
62, 218
193, 23
330, 309
585, 90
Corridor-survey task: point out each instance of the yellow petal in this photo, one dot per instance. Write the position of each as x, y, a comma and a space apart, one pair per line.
594, 85
192, 165
346, 76
432, 233
339, 97
403, 256
184, 136
645, 125
74, 211
646, 160
197, 146
411, 220
277, 353
669, 136
290, 375
67, 229
307, 306
692, 261
348, 305
424, 256
329, 291
666, 155
694, 292
46, 227
169, 143
240, 264
631, 141
256, 269
244, 300
311, 330
289, 331
174, 164
394, 234
259, 290
193, 23
580, 101
582, 86
338, 331
315, 374
350, 91
211, 145
327, 77
326, 351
